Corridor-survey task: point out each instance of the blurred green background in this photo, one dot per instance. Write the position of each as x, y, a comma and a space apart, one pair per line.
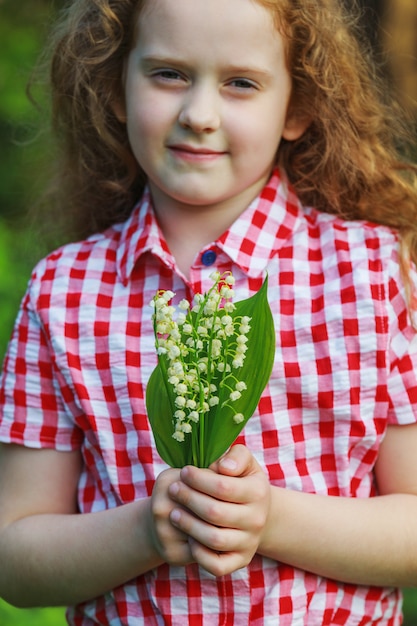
23, 26
23, 154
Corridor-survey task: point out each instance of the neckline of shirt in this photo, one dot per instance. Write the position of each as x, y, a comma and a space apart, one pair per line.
250, 242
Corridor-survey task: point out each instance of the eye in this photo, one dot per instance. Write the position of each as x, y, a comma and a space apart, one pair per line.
242, 84
167, 75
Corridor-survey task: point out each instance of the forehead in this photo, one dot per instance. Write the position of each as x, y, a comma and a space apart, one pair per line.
196, 24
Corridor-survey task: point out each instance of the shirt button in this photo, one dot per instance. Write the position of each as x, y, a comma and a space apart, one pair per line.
208, 257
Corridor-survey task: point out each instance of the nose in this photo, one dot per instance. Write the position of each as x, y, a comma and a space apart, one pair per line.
200, 111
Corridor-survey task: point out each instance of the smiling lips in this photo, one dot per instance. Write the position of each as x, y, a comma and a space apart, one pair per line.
194, 153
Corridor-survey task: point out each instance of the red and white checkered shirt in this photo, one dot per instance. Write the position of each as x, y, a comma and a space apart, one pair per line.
345, 367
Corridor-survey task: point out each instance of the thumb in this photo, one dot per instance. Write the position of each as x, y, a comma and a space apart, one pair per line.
237, 461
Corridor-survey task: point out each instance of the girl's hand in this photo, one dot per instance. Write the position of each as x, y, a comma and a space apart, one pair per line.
224, 510
169, 542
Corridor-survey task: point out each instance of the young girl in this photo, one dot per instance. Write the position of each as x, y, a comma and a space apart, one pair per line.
242, 136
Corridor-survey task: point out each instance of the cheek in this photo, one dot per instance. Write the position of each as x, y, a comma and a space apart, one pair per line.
257, 134
271, 126
152, 116
143, 125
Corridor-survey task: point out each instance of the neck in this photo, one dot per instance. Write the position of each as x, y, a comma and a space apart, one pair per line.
188, 228
187, 232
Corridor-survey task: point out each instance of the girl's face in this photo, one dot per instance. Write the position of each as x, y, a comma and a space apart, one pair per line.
206, 101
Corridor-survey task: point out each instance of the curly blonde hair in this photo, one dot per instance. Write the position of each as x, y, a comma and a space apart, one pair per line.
347, 162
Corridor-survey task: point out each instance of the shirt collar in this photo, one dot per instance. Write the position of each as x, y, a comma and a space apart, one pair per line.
260, 231
141, 234
252, 240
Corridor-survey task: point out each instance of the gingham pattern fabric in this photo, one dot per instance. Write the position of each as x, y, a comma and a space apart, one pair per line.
82, 351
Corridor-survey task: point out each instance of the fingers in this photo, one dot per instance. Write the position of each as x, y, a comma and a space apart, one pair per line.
237, 461
219, 481
218, 550
216, 509
205, 481
218, 563
169, 542
203, 517
223, 510
213, 537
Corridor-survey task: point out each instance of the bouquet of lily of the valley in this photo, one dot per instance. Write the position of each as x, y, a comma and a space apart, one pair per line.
215, 358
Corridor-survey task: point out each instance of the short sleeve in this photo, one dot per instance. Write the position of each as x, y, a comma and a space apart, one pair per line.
32, 410
402, 375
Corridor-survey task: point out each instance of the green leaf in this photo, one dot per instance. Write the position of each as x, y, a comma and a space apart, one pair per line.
217, 429
255, 372
160, 406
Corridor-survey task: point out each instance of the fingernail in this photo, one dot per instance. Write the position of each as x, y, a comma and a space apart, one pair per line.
174, 489
175, 516
229, 463
184, 472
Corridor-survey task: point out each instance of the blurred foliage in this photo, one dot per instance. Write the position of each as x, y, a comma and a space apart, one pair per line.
410, 607
9, 616
23, 26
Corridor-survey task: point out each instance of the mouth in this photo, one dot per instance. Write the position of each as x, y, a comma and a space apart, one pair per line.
195, 153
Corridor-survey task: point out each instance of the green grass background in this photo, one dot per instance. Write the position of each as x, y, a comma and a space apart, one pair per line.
9, 616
